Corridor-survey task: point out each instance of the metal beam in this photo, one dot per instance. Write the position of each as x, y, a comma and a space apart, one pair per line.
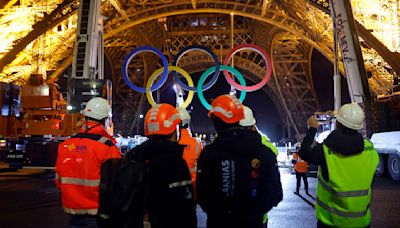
390, 57
194, 2
66, 63
265, 7
9, 3
63, 11
285, 27
117, 5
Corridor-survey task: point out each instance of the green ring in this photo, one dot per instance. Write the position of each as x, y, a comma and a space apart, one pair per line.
211, 70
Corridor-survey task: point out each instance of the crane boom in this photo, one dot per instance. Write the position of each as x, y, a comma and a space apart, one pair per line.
85, 52
353, 62
351, 52
87, 78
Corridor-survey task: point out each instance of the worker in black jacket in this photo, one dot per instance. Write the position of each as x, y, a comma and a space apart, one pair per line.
237, 179
169, 202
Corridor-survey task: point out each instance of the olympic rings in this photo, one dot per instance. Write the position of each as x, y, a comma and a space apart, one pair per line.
157, 73
207, 73
165, 69
128, 59
197, 48
266, 58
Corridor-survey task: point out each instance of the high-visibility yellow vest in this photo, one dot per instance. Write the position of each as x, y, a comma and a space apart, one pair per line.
265, 141
344, 200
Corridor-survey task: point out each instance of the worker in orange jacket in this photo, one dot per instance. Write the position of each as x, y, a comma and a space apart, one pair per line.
192, 146
301, 168
79, 161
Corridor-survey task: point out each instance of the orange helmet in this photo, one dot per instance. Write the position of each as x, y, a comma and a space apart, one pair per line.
228, 108
161, 119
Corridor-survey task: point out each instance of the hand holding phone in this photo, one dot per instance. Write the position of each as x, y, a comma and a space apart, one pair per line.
313, 122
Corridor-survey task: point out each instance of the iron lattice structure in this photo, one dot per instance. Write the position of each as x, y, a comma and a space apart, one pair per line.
41, 33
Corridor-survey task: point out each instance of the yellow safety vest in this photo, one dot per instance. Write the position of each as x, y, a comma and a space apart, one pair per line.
344, 200
265, 141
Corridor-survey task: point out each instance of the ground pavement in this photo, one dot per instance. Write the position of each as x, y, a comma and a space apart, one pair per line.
28, 198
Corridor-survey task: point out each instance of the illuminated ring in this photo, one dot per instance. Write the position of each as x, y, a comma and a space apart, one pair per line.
128, 59
207, 73
263, 54
197, 48
157, 73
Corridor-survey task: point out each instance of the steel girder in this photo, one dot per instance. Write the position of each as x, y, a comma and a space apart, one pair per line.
62, 12
122, 34
291, 64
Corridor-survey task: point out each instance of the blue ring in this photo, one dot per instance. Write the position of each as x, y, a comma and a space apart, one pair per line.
206, 73
200, 48
128, 59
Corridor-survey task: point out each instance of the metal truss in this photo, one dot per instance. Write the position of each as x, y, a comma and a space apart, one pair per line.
381, 63
63, 11
291, 27
249, 64
128, 104
212, 30
291, 64
303, 18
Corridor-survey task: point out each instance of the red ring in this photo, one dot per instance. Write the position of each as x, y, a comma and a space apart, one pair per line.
263, 54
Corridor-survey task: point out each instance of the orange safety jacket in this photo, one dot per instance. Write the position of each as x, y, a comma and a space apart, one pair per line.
191, 152
78, 168
300, 166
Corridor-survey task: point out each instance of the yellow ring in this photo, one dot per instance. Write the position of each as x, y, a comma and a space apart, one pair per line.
157, 73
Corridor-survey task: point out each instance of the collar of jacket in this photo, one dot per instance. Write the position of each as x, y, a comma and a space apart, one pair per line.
91, 127
238, 140
154, 148
233, 131
185, 133
345, 144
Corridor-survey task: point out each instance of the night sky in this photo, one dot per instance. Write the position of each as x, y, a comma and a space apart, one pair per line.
323, 82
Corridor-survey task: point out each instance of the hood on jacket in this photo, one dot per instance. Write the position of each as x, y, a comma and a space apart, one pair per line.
154, 148
348, 143
91, 127
238, 140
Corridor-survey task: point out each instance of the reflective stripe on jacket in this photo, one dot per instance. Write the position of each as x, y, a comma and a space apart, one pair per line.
300, 166
78, 169
344, 200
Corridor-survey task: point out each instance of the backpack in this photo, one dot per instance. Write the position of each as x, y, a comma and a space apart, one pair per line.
122, 194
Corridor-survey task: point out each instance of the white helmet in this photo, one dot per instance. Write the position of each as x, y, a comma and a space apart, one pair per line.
184, 115
97, 108
351, 115
248, 119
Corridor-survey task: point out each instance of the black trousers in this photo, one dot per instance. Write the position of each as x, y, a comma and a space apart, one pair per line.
298, 177
82, 221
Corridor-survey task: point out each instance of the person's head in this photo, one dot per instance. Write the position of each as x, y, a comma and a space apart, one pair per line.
226, 112
161, 122
248, 121
350, 117
98, 110
185, 117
